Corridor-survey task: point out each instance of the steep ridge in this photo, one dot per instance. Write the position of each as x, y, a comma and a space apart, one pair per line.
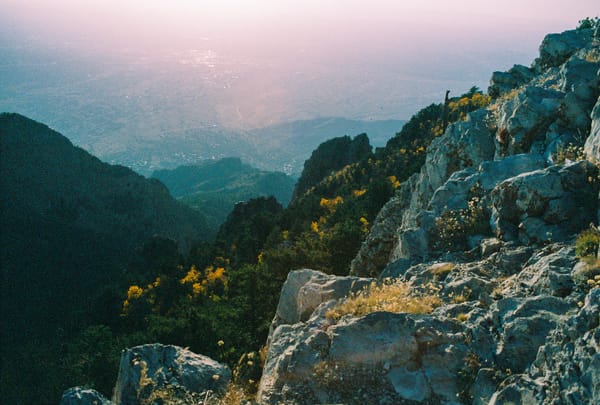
488, 228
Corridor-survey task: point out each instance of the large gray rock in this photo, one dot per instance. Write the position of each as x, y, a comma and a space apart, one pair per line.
494, 171
592, 144
503, 82
524, 118
381, 357
548, 272
146, 369
570, 360
455, 192
304, 290
524, 325
464, 144
546, 205
579, 80
557, 48
566, 369
83, 396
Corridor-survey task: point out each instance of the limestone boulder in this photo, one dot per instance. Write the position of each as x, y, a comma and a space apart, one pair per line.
523, 325
569, 362
592, 143
148, 369
304, 290
579, 80
503, 82
390, 358
464, 144
546, 205
524, 118
456, 192
567, 367
548, 272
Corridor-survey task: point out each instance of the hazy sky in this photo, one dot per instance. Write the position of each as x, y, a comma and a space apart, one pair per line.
279, 23
364, 59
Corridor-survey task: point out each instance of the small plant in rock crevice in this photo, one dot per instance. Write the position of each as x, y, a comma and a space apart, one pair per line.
467, 375
453, 227
587, 243
569, 152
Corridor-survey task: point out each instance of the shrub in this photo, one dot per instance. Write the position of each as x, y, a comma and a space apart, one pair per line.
462, 317
395, 297
441, 270
587, 243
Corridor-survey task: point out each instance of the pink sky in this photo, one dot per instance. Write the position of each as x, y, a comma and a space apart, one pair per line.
277, 23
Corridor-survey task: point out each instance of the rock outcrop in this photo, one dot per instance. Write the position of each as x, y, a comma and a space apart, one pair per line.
592, 144
304, 290
544, 113
159, 374
148, 370
496, 336
546, 205
489, 224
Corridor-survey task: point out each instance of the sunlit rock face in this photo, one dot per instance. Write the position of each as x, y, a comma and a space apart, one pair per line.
148, 369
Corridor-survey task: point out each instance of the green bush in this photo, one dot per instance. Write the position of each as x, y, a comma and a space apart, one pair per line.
587, 243
588, 23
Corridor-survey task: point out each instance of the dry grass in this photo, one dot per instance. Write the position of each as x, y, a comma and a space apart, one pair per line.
593, 55
234, 395
397, 297
441, 269
462, 317
569, 152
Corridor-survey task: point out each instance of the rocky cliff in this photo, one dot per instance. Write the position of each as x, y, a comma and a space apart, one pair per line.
489, 225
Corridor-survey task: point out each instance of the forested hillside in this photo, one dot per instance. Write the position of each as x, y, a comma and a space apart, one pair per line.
71, 226
214, 187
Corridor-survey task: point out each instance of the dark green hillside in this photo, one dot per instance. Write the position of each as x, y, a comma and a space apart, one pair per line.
70, 224
214, 187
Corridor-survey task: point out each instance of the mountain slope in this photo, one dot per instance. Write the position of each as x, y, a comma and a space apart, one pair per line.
214, 187
70, 224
